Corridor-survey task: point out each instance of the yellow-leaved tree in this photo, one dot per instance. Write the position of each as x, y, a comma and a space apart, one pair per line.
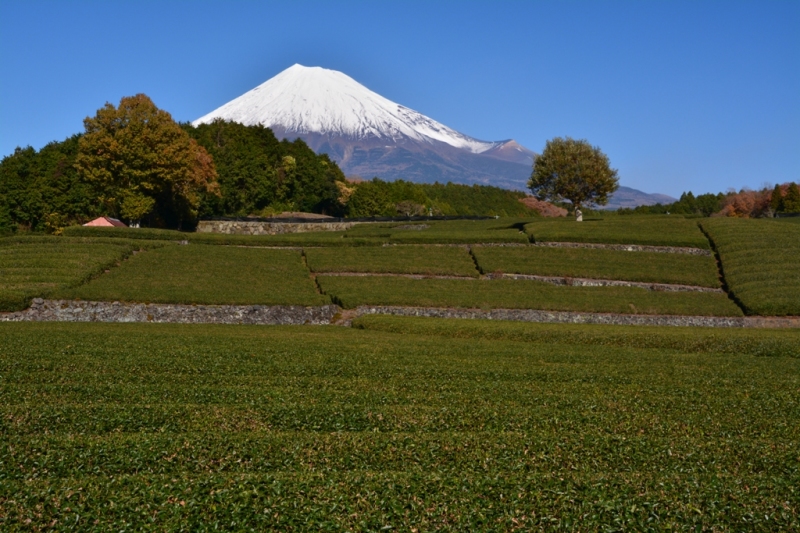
144, 164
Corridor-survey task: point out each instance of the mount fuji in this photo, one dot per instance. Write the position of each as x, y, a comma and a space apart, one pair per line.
369, 135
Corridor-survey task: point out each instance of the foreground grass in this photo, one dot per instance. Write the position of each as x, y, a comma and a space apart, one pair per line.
37, 266
520, 294
166, 427
200, 274
426, 260
757, 342
598, 263
652, 230
761, 263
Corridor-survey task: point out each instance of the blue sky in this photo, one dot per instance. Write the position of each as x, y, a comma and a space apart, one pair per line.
701, 96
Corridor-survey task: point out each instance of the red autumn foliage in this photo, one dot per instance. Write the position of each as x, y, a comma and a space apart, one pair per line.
546, 209
746, 204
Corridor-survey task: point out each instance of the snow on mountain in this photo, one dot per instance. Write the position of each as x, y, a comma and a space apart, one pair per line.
369, 135
307, 100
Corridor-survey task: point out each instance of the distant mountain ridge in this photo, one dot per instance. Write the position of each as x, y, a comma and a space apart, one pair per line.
369, 135
628, 197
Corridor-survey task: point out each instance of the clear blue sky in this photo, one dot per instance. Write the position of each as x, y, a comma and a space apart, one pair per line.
697, 95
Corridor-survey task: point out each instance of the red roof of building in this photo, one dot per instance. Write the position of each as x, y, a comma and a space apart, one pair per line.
107, 221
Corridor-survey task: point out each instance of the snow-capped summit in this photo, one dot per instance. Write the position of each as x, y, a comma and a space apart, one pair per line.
370, 135
318, 100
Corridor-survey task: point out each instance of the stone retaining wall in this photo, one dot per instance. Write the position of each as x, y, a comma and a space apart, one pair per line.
80, 311
589, 282
627, 247
231, 227
564, 317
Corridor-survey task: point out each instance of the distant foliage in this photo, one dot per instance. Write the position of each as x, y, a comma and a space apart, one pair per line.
144, 164
764, 203
390, 198
134, 162
260, 175
746, 203
791, 201
546, 209
37, 185
703, 205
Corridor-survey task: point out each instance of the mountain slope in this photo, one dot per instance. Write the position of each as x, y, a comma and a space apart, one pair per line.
369, 135
628, 197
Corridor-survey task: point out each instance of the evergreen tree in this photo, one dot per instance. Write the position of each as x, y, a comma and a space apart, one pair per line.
259, 174
37, 185
776, 199
371, 199
791, 202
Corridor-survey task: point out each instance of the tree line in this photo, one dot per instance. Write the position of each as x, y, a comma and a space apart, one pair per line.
135, 163
767, 202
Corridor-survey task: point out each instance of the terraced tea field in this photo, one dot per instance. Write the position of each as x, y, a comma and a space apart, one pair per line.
423, 260
759, 258
352, 292
761, 263
167, 427
202, 274
40, 266
598, 263
652, 230
409, 424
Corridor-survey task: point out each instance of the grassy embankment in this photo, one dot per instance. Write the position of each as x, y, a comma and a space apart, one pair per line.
424, 260
520, 294
598, 263
651, 230
135, 427
199, 274
367, 234
38, 266
757, 342
761, 263
445, 232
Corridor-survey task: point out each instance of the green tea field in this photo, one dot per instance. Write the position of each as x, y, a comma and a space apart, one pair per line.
176, 427
351, 292
400, 423
685, 269
202, 274
653, 230
40, 266
761, 263
425, 260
